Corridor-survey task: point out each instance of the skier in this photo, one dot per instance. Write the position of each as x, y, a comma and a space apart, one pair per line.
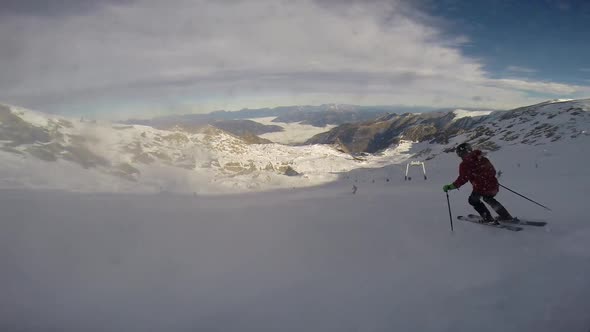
478, 170
354, 188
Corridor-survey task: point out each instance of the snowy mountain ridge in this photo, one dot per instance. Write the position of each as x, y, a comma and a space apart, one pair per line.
536, 124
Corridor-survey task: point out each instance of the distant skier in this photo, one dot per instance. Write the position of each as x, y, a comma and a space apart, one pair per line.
354, 188
478, 170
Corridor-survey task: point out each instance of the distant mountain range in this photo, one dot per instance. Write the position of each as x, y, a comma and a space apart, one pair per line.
241, 122
319, 116
245, 127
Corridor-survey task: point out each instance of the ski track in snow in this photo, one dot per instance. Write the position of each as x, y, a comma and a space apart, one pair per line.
313, 259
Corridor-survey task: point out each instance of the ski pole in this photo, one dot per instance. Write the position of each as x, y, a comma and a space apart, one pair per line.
524, 197
450, 215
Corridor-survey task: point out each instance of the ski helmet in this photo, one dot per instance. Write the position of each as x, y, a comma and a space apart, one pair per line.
463, 149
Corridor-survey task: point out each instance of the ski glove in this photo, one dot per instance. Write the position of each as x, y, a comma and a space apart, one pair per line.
448, 187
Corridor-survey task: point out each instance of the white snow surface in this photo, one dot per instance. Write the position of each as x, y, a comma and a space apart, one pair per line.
33, 117
560, 100
306, 259
293, 133
459, 113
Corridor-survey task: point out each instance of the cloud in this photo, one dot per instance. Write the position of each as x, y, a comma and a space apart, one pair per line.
585, 69
228, 54
519, 69
53, 8
541, 87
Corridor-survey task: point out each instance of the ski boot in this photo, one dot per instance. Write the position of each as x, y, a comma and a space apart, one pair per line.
489, 220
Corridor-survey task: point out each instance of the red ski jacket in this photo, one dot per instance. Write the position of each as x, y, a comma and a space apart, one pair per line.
478, 170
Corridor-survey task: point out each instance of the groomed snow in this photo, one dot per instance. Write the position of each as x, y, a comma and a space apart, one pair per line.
314, 259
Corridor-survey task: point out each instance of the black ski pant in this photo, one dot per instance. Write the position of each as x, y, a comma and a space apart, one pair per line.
475, 201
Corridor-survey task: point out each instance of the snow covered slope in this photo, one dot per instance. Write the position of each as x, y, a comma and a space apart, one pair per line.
311, 259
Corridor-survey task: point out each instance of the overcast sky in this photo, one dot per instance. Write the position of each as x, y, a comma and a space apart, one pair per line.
118, 59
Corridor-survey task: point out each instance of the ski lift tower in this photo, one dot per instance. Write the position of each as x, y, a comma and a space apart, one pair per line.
418, 164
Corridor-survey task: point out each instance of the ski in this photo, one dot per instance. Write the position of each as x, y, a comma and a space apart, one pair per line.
502, 226
517, 221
